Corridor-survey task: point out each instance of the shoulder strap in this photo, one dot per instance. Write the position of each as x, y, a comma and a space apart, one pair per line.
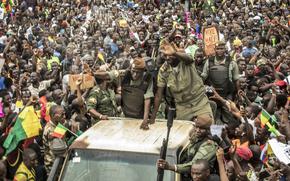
146, 80
228, 63
127, 78
228, 60
147, 77
210, 62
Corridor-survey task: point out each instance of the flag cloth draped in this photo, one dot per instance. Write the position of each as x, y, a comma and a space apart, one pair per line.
59, 131
27, 125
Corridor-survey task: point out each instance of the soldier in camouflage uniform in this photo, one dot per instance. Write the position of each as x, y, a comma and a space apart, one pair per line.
57, 115
200, 147
101, 102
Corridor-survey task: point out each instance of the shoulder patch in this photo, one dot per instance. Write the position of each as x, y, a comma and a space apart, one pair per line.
164, 67
92, 100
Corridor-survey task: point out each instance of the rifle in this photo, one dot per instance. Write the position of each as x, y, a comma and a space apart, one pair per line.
170, 116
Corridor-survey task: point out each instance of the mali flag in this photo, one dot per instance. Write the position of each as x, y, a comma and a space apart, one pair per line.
27, 125
265, 117
59, 131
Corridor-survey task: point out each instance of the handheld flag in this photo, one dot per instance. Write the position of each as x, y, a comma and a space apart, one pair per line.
27, 125
59, 131
267, 120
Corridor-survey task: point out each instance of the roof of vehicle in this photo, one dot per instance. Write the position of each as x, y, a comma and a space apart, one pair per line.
125, 135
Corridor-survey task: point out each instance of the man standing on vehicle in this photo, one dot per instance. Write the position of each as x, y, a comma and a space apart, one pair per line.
179, 76
101, 102
137, 90
200, 147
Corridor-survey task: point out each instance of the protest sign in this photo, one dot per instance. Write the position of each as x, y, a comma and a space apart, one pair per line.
87, 81
123, 23
281, 151
210, 39
216, 129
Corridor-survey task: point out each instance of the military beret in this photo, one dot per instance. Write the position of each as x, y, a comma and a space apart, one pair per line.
138, 63
203, 121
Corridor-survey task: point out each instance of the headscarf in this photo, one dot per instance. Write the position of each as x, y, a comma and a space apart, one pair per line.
244, 152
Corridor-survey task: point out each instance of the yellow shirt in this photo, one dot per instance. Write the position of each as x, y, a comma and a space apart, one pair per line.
24, 174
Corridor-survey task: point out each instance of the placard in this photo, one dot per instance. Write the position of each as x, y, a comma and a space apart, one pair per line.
123, 23
210, 39
281, 151
216, 129
87, 81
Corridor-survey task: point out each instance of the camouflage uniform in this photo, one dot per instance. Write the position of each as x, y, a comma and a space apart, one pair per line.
197, 149
102, 101
47, 138
187, 89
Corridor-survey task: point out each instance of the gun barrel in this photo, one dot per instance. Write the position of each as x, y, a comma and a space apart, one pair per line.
160, 174
163, 151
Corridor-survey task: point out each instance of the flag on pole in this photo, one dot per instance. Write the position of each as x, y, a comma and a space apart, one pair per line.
27, 125
59, 131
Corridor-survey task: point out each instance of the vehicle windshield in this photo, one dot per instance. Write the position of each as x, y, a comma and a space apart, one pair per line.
92, 165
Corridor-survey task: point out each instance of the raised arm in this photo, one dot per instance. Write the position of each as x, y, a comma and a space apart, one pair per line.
168, 49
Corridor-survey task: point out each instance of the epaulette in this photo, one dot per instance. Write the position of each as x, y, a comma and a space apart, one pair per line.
92, 100
96, 89
210, 142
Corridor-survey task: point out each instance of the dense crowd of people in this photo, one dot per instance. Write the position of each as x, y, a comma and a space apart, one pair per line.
65, 65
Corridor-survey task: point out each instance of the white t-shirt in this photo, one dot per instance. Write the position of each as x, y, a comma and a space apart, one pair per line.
65, 82
42, 85
3, 39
